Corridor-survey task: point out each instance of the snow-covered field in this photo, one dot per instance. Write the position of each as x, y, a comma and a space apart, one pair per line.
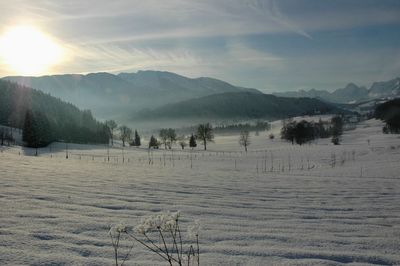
278, 204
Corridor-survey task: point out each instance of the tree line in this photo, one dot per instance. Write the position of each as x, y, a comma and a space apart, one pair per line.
166, 136
45, 119
240, 127
305, 131
389, 112
204, 134
6, 136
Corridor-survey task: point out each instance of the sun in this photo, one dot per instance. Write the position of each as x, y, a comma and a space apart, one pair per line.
29, 51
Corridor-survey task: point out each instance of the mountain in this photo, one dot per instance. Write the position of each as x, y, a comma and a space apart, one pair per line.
110, 95
385, 89
351, 93
239, 105
56, 119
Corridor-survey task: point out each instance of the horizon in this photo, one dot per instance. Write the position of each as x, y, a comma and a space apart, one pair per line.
271, 91
273, 46
123, 124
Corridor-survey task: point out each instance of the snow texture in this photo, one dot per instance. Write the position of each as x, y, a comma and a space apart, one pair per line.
279, 204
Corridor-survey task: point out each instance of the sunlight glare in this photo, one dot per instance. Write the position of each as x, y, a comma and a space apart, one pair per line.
28, 51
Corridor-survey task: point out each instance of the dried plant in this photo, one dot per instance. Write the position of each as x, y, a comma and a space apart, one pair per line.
162, 235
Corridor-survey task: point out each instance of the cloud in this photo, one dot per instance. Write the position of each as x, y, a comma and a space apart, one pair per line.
255, 43
272, 10
118, 21
101, 21
113, 58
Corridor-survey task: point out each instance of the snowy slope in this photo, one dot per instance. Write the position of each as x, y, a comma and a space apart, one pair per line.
302, 211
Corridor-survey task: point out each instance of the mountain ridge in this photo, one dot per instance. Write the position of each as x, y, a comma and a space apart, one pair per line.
106, 93
239, 105
351, 92
122, 96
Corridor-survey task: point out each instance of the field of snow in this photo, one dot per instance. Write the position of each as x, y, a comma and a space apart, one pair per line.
279, 204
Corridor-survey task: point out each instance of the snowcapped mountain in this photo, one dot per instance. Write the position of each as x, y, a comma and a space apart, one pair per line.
351, 93
385, 89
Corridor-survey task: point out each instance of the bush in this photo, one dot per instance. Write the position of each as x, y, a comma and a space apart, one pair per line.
335, 140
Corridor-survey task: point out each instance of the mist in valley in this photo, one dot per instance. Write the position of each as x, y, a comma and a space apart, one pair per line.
255, 132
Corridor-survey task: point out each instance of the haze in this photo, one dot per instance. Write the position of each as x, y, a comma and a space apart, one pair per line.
268, 45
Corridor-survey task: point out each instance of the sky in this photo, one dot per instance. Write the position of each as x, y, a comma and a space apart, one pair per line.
265, 44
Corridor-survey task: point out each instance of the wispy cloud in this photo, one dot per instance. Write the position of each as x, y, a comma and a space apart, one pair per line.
272, 11
237, 40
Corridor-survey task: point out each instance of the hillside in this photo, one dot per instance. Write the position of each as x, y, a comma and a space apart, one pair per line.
115, 96
59, 120
351, 93
240, 105
390, 113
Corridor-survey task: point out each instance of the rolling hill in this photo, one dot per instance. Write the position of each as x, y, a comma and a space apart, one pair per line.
239, 105
116, 96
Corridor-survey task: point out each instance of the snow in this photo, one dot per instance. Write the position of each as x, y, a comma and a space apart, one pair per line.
333, 205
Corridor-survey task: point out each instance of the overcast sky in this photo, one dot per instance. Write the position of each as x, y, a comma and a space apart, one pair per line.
269, 45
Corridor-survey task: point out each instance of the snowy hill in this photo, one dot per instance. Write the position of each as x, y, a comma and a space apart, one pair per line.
279, 204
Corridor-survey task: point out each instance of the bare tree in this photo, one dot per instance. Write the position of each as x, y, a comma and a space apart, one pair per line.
244, 139
167, 137
205, 133
171, 137
164, 137
126, 133
182, 142
111, 126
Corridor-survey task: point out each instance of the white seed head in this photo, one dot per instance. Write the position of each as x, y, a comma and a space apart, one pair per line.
118, 228
194, 229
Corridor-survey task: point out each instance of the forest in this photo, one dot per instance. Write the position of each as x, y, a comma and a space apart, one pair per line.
45, 118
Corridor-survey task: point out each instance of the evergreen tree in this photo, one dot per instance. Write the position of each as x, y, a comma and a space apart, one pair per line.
288, 130
337, 129
300, 132
36, 131
153, 143
2, 135
136, 140
28, 131
337, 126
390, 113
304, 132
192, 142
